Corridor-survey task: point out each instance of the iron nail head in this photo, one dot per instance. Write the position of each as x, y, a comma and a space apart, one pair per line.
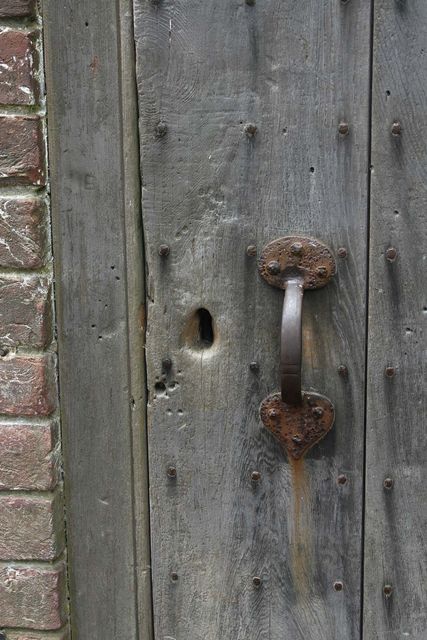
317, 412
388, 483
164, 250
251, 129
161, 129
296, 248
273, 268
396, 128
387, 590
391, 254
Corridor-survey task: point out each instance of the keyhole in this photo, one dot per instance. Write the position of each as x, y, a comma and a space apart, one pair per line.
206, 332
199, 332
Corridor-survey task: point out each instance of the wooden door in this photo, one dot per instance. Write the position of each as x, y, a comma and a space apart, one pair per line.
260, 120
257, 119
395, 577
240, 112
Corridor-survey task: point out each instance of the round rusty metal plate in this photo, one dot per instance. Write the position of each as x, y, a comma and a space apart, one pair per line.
298, 428
297, 257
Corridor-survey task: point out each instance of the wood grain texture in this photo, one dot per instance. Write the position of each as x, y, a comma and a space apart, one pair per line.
396, 518
98, 257
294, 70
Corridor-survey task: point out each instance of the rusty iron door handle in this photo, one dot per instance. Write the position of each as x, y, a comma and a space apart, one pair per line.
298, 419
291, 342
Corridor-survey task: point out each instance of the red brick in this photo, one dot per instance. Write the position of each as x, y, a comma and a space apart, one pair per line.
25, 311
22, 157
30, 456
23, 233
27, 385
18, 67
32, 597
17, 8
32, 527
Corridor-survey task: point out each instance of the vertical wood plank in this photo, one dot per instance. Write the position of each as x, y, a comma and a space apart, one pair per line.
396, 513
295, 70
99, 274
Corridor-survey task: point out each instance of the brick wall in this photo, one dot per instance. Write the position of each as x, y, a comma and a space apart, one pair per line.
33, 601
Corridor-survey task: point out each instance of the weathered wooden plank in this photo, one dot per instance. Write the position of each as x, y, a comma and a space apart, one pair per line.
396, 517
98, 251
295, 70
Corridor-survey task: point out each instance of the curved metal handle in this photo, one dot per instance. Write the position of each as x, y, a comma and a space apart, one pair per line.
291, 342
298, 419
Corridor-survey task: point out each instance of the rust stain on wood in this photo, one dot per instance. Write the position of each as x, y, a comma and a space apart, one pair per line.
94, 65
301, 540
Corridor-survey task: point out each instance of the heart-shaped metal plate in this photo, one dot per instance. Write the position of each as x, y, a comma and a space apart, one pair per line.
298, 428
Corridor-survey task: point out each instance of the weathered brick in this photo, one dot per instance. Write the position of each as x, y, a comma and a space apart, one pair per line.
35, 635
32, 527
17, 8
25, 311
32, 597
29, 456
23, 232
27, 385
18, 67
22, 156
